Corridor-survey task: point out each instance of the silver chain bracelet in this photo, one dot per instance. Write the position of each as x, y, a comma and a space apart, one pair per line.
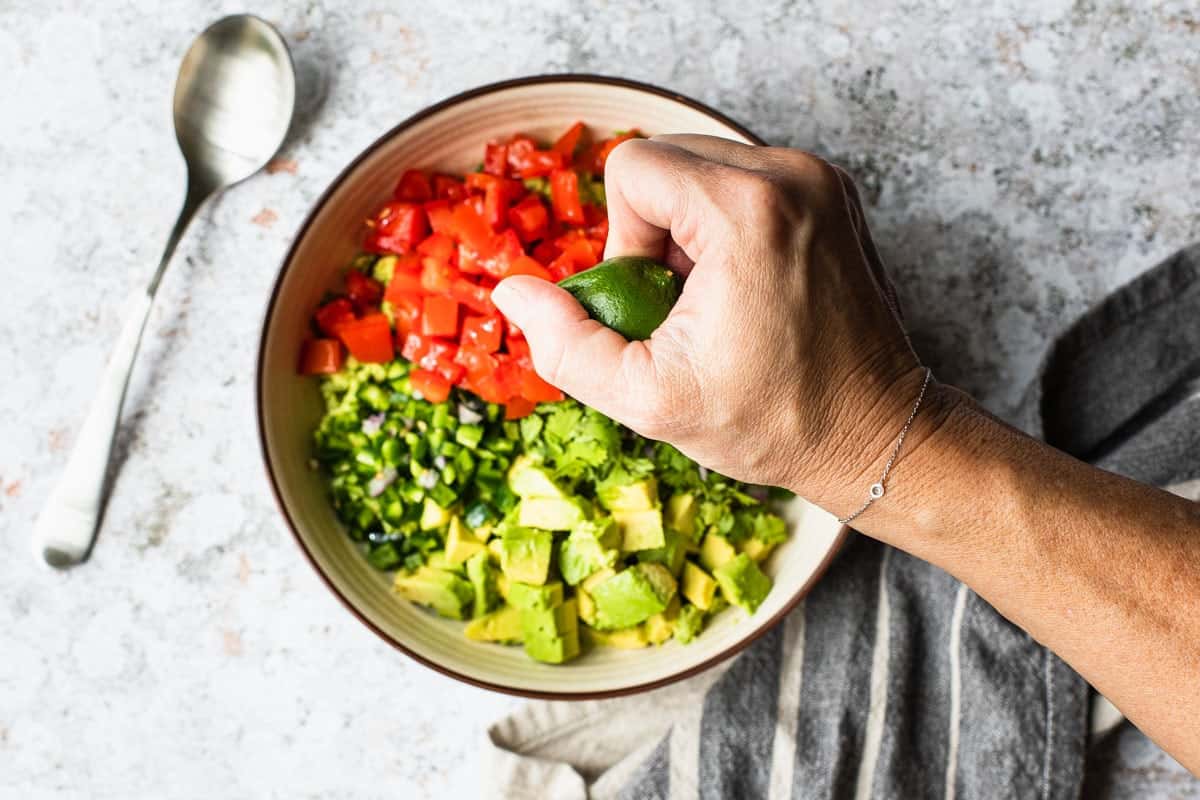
876, 490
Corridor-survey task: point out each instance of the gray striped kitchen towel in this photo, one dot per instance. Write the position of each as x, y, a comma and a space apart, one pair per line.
892, 679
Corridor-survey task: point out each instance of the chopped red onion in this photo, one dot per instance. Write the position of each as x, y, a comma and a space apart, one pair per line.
427, 479
440, 462
703, 473
381, 481
372, 424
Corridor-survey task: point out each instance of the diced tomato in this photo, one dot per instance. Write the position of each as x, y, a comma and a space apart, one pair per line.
468, 261
495, 159
477, 362
483, 333
415, 347
439, 246
414, 187
529, 218
536, 389
541, 163
470, 228
436, 275
448, 188
527, 161
564, 196
518, 150
561, 267
567, 143
497, 198
546, 251
406, 279
475, 297
518, 348
439, 215
582, 253
433, 386
456, 239
596, 220
524, 265
606, 147
321, 357
440, 357
364, 292
368, 339
518, 408
398, 227
439, 317
406, 316
331, 315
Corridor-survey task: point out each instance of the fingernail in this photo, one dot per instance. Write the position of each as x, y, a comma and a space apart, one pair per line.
506, 294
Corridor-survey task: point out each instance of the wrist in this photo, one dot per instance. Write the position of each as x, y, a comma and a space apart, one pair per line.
854, 461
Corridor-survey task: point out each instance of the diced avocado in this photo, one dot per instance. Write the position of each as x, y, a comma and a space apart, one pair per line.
461, 544
658, 629
632, 595
583, 593
660, 626
484, 532
670, 555
640, 530
496, 546
551, 513
757, 549
698, 586
587, 607
743, 583
438, 560
555, 650
502, 625
715, 551
502, 584
624, 639
446, 593
680, 514
528, 596
482, 576
527, 478
689, 623
525, 554
551, 635
590, 547
640, 496
596, 578
433, 516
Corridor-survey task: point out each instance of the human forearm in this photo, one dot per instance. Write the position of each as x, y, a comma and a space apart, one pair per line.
1101, 569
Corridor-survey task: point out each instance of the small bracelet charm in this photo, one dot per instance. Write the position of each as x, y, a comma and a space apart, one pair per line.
877, 490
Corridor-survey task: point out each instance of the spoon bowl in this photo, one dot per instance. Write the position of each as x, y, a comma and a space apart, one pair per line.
233, 100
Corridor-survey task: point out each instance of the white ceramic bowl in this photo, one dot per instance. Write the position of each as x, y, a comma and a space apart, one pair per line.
449, 137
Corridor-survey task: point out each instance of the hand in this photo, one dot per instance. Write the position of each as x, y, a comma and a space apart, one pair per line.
784, 361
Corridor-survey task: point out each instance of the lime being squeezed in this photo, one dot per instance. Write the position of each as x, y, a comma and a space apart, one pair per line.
630, 294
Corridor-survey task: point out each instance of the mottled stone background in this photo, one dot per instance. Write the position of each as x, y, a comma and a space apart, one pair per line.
1020, 159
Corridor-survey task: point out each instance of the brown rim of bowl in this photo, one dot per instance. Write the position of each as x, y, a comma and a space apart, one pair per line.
730, 651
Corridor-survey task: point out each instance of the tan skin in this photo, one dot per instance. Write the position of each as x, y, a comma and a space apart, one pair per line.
785, 362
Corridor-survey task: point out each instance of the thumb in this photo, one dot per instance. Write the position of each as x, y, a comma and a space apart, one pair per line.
588, 361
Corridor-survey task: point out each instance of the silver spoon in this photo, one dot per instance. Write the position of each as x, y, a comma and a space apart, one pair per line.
233, 105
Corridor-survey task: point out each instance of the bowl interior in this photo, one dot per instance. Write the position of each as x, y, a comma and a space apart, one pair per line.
449, 138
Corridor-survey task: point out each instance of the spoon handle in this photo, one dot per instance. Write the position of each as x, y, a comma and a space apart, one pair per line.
65, 529
63, 533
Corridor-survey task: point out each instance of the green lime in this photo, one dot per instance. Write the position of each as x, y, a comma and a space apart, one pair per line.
630, 294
